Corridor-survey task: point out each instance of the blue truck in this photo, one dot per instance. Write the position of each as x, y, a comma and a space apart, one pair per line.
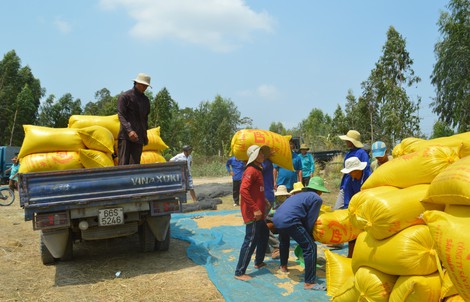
70, 206
6, 154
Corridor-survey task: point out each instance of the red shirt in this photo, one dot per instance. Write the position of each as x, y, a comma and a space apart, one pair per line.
252, 193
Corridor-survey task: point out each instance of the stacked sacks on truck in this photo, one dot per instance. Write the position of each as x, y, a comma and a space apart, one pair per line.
49, 149
396, 240
280, 148
152, 152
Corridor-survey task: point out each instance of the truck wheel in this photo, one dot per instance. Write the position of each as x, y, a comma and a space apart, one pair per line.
163, 245
147, 239
68, 254
46, 256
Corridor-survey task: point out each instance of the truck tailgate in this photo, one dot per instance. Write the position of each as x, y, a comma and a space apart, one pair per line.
62, 190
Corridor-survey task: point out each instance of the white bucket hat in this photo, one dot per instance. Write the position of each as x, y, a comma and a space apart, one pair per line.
352, 164
253, 152
354, 137
143, 78
281, 191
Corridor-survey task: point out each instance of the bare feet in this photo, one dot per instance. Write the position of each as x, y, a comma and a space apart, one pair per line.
284, 268
243, 277
258, 266
309, 285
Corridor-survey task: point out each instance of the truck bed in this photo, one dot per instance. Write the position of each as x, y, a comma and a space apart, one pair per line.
71, 189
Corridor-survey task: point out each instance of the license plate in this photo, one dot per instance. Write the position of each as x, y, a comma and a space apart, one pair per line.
110, 216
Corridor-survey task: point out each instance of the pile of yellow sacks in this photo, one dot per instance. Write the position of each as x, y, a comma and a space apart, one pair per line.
88, 142
410, 221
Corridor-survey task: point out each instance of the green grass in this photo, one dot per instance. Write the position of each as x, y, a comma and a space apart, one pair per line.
208, 166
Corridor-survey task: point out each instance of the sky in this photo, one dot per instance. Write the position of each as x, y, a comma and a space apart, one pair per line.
276, 60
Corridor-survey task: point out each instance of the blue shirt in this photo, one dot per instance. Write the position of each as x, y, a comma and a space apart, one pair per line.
287, 177
308, 164
302, 208
268, 179
352, 186
237, 166
363, 157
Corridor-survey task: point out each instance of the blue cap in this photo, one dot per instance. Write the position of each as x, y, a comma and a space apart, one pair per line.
378, 149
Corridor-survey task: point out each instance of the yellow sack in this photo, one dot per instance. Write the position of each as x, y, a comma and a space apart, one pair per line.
373, 285
453, 247
110, 122
334, 227
279, 145
155, 141
347, 293
457, 210
97, 138
39, 139
50, 161
95, 159
338, 272
417, 289
412, 169
448, 289
451, 186
460, 142
151, 157
355, 207
393, 211
410, 252
456, 298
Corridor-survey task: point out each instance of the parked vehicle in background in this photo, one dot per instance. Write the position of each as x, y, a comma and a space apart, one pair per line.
6, 154
320, 157
91, 204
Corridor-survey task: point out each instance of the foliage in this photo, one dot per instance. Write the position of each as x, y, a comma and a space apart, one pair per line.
56, 114
105, 104
20, 94
440, 129
277, 127
451, 73
392, 115
208, 166
316, 130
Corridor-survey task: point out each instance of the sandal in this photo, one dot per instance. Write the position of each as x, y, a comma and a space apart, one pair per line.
258, 266
317, 286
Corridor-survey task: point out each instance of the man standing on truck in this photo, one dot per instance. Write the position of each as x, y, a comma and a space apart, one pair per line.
133, 109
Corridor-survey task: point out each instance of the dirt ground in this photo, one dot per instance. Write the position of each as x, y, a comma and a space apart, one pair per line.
92, 275
107, 270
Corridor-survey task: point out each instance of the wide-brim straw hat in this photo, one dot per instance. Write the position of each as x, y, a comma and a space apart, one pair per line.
143, 78
354, 137
304, 147
352, 164
253, 152
297, 187
281, 191
316, 183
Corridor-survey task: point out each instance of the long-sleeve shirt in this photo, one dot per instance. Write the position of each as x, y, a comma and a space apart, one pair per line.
236, 166
252, 193
308, 164
301, 208
352, 186
133, 110
363, 157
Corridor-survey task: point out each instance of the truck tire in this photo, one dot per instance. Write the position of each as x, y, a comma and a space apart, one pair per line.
68, 254
46, 256
163, 245
147, 239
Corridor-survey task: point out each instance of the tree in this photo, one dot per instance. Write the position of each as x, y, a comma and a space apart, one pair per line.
277, 127
56, 114
451, 73
14, 80
164, 113
392, 114
316, 129
105, 104
441, 129
213, 126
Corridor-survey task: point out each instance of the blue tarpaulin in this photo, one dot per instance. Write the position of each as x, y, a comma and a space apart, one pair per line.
215, 239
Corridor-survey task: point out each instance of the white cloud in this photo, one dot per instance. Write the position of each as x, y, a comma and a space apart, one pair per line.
63, 26
220, 25
268, 92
